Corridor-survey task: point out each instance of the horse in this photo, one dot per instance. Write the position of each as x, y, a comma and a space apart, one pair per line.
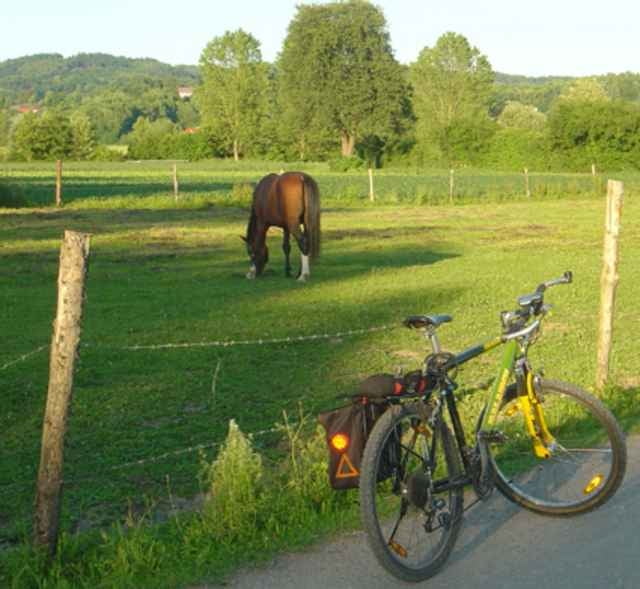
288, 200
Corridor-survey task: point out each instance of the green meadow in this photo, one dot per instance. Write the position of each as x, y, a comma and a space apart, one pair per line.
154, 386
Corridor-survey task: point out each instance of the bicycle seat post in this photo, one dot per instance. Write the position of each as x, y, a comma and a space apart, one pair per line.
432, 336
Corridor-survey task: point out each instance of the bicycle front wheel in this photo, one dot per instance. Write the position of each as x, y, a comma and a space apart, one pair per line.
587, 452
410, 511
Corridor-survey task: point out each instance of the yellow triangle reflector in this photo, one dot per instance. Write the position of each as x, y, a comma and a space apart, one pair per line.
345, 468
593, 484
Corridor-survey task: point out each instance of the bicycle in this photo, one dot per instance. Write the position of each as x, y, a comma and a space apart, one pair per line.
544, 444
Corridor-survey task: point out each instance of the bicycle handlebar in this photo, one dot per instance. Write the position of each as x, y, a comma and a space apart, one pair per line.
566, 278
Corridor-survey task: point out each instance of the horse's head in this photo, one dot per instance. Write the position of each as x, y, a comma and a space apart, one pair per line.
259, 256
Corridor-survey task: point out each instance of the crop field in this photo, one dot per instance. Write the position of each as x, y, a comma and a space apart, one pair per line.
154, 386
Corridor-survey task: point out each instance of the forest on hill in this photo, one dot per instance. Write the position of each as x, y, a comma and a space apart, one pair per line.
336, 92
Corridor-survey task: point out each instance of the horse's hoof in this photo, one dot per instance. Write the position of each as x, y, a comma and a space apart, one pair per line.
250, 275
303, 277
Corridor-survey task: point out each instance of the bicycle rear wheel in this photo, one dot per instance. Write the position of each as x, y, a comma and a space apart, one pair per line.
410, 520
588, 452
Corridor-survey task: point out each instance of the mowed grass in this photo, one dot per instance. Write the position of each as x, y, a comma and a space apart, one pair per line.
166, 272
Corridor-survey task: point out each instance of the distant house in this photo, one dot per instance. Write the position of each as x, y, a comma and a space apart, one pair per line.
25, 108
191, 130
185, 92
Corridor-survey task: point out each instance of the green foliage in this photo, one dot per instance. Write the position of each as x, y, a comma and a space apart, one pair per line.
151, 139
516, 115
105, 153
337, 72
82, 137
606, 132
514, 148
451, 91
235, 487
346, 164
46, 136
232, 99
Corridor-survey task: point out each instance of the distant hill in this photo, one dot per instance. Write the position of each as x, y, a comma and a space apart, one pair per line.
517, 80
32, 78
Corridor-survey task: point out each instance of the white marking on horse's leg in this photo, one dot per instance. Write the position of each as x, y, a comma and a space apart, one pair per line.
304, 268
252, 272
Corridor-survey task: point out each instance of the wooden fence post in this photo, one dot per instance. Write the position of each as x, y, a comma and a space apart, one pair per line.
371, 195
608, 279
58, 183
593, 169
64, 344
175, 181
451, 185
526, 182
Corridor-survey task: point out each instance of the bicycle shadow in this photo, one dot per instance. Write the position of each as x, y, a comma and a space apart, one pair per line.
483, 520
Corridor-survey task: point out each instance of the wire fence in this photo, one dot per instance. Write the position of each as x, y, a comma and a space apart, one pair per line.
163, 346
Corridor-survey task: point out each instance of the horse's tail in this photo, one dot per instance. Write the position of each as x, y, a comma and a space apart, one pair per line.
312, 215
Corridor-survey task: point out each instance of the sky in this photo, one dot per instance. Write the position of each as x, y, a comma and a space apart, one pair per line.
536, 38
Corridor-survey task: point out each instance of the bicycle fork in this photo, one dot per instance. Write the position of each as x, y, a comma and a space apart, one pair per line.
527, 402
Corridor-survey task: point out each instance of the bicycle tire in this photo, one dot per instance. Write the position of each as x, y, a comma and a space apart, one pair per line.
388, 483
588, 453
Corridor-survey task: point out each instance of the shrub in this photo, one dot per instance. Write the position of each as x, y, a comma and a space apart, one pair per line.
104, 153
345, 164
234, 488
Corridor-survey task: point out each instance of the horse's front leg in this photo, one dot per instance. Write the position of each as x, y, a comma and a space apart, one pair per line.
286, 248
303, 244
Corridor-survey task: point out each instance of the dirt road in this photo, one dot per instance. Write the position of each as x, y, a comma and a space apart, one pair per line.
500, 546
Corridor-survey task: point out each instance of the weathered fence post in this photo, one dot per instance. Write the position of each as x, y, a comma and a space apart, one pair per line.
371, 195
451, 186
175, 181
64, 344
526, 182
58, 183
593, 169
609, 279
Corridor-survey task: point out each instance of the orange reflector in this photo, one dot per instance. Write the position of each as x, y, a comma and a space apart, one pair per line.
398, 549
594, 483
340, 442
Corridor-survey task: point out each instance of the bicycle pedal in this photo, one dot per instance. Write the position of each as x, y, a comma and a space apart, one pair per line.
444, 519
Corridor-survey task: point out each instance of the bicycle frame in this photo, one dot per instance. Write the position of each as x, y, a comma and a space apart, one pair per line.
513, 361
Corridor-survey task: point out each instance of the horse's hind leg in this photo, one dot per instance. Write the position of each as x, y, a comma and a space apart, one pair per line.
286, 248
303, 244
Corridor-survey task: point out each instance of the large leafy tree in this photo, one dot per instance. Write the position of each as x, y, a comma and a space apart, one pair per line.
452, 86
338, 75
41, 137
233, 96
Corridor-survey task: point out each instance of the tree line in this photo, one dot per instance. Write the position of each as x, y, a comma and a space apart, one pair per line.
336, 92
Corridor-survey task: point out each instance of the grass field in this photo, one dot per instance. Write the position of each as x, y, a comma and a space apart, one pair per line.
167, 272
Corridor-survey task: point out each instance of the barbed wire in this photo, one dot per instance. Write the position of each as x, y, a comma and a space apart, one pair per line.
260, 341
23, 357
219, 343
151, 459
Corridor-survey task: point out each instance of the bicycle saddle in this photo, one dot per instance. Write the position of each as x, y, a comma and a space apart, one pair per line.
418, 321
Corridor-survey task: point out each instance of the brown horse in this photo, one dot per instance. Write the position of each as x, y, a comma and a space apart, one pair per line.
288, 200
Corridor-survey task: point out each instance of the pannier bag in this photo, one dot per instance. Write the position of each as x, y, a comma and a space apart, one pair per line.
347, 430
348, 427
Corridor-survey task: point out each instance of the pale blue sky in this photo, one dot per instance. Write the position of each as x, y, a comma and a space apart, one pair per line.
540, 37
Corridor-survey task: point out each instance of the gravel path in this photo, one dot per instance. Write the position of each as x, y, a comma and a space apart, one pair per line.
500, 546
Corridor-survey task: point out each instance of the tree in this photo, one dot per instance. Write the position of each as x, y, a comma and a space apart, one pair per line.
585, 90
522, 116
82, 136
452, 85
151, 139
41, 137
338, 75
232, 98
607, 132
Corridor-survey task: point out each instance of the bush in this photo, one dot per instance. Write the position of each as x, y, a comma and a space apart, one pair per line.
104, 153
11, 197
235, 488
345, 164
